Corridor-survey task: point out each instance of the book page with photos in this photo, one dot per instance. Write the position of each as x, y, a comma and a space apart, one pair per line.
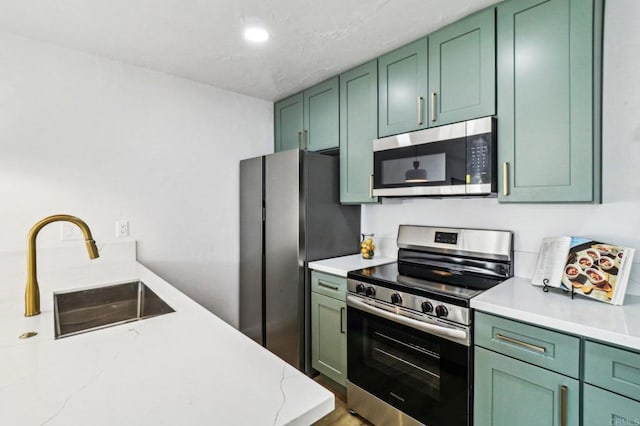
598, 270
590, 268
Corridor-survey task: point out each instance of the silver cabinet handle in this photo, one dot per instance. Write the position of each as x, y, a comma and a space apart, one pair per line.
433, 106
563, 405
526, 345
306, 139
342, 330
325, 285
371, 185
420, 99
505, 178
299, 140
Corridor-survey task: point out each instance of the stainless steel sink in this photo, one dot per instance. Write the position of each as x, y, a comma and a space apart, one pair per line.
91, 309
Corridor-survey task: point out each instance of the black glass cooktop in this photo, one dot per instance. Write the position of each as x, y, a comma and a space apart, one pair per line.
432, 281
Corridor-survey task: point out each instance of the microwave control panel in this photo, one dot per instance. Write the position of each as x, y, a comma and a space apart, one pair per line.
479, 155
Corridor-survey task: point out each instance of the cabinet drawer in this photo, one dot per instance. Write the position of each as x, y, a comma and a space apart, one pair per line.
612, 368
607, 408
329, 285
545, 348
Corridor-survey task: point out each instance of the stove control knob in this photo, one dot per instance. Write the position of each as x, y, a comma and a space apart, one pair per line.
360, 288
396, 299
371, 291
427, 307
441, 311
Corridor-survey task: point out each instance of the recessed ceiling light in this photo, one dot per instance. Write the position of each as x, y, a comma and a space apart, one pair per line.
256, 34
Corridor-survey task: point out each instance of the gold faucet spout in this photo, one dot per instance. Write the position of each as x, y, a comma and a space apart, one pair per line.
32, 292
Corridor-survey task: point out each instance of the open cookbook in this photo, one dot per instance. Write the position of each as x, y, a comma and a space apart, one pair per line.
593, 269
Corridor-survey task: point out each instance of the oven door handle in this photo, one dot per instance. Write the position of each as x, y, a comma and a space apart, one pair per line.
410, 322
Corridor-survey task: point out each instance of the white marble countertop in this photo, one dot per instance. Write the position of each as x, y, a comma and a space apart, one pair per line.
516, 298
184, 368
341, 265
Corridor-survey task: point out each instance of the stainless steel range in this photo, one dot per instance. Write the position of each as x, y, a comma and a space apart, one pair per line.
409, 338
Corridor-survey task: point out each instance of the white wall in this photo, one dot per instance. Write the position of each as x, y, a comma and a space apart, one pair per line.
616, 220
107, 141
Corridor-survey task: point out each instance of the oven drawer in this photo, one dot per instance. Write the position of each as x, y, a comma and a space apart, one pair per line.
615, 369
329, 285
548, 349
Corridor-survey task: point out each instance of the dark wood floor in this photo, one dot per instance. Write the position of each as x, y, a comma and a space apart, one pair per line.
340, 416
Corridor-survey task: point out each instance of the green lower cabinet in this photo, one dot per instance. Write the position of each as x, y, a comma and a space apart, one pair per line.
612, 368
329, 337
509, 392
358, 129
607, 408
549, 56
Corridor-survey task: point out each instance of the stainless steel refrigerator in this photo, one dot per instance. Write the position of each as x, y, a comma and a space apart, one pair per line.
290, 214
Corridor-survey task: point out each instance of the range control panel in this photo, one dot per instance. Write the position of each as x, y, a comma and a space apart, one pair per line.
423, 305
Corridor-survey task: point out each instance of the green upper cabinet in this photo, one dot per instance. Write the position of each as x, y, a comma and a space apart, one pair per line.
309, 120
288, 123
358, 129
462, 70
402, 89
321, 116
548, 71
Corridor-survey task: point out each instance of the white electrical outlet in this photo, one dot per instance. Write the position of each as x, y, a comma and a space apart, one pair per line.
70, 232
122, 229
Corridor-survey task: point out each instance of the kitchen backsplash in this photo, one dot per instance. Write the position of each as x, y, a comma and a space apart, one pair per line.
530, 223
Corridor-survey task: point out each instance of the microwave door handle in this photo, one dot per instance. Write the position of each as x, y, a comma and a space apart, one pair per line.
418, 325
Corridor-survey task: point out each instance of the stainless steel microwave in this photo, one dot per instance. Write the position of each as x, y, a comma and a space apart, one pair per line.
456, 159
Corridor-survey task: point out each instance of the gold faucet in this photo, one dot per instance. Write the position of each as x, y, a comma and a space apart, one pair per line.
32, 292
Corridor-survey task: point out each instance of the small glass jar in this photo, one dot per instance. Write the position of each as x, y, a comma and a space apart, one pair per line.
367, 246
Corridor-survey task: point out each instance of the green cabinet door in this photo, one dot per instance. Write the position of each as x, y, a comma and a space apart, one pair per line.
288, 123
402, 88
321, 116
548, 100
509, 392
328, 337
607, 408
462, 70
358, 129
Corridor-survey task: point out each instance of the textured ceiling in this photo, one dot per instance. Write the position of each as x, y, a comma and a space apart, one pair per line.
202, 39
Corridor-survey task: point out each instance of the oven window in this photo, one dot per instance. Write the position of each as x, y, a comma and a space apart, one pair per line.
430, 164
423, 375
417, 364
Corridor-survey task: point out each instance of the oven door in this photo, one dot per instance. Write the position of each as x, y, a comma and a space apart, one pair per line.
423, 375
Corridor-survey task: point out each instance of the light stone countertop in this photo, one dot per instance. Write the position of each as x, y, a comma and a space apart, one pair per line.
518, 299
341, 265
184, 368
